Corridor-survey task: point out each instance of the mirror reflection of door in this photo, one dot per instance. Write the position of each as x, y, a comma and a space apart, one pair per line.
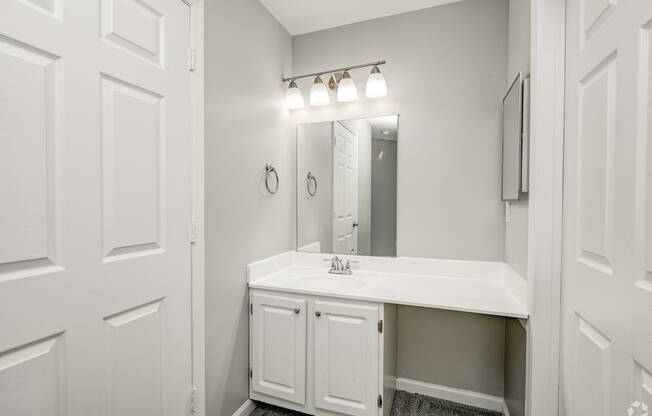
345, 190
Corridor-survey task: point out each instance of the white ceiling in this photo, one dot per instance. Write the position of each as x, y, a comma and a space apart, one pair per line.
384, 127
303, 16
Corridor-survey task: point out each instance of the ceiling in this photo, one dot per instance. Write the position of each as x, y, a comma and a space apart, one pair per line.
384, 127
303, 16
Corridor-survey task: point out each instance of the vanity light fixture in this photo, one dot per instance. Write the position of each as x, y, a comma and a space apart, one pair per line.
338, 79
293, 97
376, 85
319, 93
346, 90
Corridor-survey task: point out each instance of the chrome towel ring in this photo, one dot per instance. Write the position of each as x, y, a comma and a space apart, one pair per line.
311, 179
269, 169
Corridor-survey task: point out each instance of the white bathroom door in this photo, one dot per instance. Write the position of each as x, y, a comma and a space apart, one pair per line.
345, 190
607, 263
95, 198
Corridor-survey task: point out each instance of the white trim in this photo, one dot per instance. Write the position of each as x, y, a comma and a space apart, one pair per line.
198, 247
246, 409
545, 205
467, 397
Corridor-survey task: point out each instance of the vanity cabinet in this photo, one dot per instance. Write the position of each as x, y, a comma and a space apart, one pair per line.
320, 355
278, 347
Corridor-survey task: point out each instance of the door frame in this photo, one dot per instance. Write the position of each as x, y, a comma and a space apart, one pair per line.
198, 245
548, 34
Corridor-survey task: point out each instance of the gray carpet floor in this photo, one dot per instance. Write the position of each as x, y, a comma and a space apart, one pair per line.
405, 404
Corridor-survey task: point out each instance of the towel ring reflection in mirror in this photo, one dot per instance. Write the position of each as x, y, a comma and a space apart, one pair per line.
269, 170
311, 179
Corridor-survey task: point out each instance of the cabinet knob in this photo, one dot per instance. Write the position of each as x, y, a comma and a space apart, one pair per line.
317, 314
297, 310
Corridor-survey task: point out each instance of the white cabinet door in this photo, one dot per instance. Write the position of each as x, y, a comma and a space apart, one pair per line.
278, 356
346, 340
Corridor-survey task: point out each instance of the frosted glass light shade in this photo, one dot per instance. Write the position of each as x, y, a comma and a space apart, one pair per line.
319, 93
293, 97
376, 85
346, 90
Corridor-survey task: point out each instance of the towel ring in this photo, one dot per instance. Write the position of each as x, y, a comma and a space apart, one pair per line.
311, 179
269, 169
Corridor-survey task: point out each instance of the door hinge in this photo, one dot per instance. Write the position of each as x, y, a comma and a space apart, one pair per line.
193, 231
251, 373
380, 326
191, 59
251, 308
380, 401
194, 408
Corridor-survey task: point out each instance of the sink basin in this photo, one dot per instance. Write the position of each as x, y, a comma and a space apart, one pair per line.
328, 282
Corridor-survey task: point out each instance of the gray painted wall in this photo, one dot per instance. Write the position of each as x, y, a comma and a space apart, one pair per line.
315, 213
363, 130
516, 231
446, 76
515, 364
456, 349
383, 197
247, 52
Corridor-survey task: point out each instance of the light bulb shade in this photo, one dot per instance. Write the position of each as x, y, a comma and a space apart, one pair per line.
376, 85
319, 93
293, 97
346, 90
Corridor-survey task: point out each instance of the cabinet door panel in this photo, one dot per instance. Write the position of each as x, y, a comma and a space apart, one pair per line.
346, 358
279, 347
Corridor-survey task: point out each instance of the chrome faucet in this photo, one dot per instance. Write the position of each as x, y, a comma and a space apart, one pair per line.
339, 266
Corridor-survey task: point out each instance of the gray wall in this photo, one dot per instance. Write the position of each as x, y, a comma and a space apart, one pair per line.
446, 76
383, 197
456, 349
516, 231
515, 364
247, 52
315, 213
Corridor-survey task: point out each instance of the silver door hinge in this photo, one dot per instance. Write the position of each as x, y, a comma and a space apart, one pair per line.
251, 308
193, 231
251, 373
380, 401
191, 59
380, 326
194, 408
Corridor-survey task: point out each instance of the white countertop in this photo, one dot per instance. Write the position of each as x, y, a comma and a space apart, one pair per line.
491, 288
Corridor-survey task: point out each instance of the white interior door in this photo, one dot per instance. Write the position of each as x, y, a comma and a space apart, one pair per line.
607, 265
345, 190
94, 208
346, 342
278, 355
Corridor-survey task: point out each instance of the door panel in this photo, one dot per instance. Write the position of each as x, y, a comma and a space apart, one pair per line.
95, 190
345, 189
606, 298
346, 358
278, 357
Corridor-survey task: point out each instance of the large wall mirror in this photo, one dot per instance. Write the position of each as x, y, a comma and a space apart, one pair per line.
346, 186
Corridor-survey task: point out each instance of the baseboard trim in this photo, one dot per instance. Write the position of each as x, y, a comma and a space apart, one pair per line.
467, 397
246, 409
